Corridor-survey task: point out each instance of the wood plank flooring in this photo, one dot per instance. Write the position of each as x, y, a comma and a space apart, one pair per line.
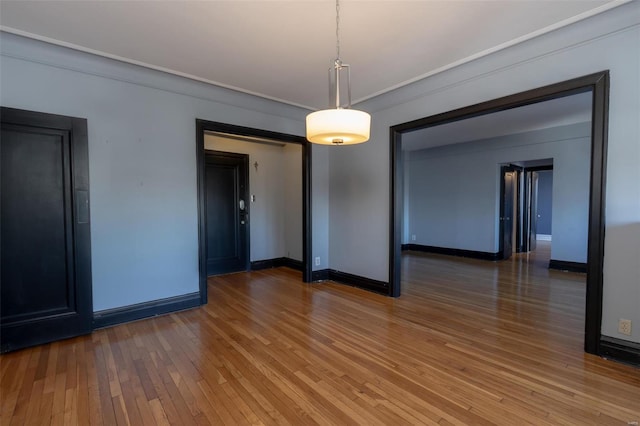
469, 342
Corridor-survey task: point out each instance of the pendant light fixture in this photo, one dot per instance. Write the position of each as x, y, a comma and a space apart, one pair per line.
339, 125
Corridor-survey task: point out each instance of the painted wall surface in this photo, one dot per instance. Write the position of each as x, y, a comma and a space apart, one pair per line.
359, 192
142, 158
292, 188
545, 202
454, 190
406, 184
320, 206
275, 217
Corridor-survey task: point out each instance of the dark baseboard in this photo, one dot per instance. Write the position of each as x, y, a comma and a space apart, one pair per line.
276, 263
258, 265
115, 316
350, 279
321, 275
292, 263
563, 265
483, 255
358, 281
620, 350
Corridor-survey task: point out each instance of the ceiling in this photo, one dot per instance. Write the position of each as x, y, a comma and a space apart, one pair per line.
282, 49
542, 115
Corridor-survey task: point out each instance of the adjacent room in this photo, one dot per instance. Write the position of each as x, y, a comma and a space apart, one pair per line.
478, 199
457, 198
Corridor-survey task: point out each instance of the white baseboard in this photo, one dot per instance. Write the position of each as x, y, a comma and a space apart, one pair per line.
543, 237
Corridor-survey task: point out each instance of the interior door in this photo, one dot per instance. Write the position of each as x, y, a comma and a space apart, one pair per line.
45, 243
227, 212
533, 221
508, 188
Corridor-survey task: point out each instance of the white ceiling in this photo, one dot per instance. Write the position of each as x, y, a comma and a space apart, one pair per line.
281, 49
542, 115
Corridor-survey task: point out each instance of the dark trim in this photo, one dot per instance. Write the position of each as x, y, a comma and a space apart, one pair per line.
620, 350
595, 247
473, 254
539, 168
358, 281
109, 317
259, 265
598, 85
321, 275
563, 265
396, 213
276, 263
340, 277
202, 231
203, 126
293, 264
307, 248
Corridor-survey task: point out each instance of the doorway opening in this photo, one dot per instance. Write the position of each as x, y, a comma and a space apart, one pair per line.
597, 85
241, 205
526, 190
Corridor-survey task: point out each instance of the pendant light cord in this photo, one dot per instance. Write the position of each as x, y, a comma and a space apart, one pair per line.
338, 29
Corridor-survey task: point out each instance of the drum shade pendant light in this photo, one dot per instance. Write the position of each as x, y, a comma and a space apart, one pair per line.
339, 125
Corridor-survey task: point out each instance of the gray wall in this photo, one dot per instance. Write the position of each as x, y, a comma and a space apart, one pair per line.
276, 215
292, 189
454, 190
320, 206
545, 202
142, 158
359, 192
406, 184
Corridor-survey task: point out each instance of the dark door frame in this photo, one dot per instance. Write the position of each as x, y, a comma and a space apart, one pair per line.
203, 126
504, 169
526, 219
598, 85
522, 219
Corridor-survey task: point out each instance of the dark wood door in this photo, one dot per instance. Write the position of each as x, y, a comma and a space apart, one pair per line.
508, 188
45, 238
227, 212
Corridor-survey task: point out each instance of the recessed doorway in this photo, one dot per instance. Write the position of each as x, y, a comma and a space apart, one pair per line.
251, 135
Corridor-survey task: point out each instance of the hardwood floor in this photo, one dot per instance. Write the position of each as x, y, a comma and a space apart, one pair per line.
469, 342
